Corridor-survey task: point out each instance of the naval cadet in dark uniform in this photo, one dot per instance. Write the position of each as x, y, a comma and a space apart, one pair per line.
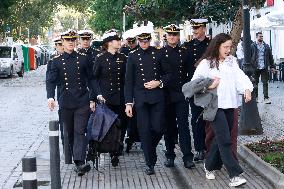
70, 72
131, 42
86, 37
58, 51
146, 75
132, 132
109, 75
196, 48
177, 108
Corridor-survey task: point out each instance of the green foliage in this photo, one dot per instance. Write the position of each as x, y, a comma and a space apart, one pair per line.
108, 14
271, 152
4, 6
176, 11
33, 14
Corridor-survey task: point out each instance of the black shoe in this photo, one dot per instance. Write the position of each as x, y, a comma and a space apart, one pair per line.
114, 161
128, 147
189, 164
200, 155
169, 163
149, 170
129, 144
82, 169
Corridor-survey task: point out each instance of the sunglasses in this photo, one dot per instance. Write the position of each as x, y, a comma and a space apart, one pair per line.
70, 39
85, 38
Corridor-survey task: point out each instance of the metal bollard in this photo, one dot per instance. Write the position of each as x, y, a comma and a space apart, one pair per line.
67, 150
54, 155
29, 173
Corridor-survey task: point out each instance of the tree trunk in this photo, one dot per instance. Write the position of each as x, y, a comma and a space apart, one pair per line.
237, 29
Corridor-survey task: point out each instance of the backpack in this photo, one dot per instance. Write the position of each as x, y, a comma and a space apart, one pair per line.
103, 133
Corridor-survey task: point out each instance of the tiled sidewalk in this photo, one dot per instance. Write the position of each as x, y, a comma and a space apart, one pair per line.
129, 173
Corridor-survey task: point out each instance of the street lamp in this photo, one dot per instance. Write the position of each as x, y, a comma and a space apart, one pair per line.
250, 123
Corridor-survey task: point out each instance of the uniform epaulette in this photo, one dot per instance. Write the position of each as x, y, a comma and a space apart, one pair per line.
100, 54
81, 53
133, 51
56, 56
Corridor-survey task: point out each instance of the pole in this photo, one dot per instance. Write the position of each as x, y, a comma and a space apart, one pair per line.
29, 173
250, 123
28, 35
123, 21
54, 155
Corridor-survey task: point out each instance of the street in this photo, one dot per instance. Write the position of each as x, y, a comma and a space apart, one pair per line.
23, 120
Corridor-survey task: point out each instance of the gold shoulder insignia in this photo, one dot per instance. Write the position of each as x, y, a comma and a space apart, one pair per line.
56, 56
133, 51
82, 53
100, 54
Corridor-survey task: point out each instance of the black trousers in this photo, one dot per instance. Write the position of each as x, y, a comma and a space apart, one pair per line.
198, 126
150, 121
120, 111
177, 113
132, 130
220, 151
75, 121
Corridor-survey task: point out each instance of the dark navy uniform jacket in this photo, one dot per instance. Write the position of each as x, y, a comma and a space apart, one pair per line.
70, 72
51, 86
178, 60
109, 74
195, 49
91, 54
144, 66
127, 50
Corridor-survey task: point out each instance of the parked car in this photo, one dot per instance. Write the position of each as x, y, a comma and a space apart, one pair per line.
11, 61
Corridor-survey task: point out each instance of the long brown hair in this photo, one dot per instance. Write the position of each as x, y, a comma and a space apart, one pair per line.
105, 46
212, 51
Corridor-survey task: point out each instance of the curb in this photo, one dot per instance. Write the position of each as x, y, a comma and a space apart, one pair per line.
264, 169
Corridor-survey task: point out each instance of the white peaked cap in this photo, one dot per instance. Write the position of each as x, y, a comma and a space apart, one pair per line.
130, 33
85, 31
145, 29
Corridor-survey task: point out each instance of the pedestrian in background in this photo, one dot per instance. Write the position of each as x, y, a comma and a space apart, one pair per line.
70, 71
177, 108
146, 76
130, 42
195, 49
85, 38
229, 79
132, 131
262, 59
109, 73
58, 51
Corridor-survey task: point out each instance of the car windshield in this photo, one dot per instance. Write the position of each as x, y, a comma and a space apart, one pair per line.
5, 52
